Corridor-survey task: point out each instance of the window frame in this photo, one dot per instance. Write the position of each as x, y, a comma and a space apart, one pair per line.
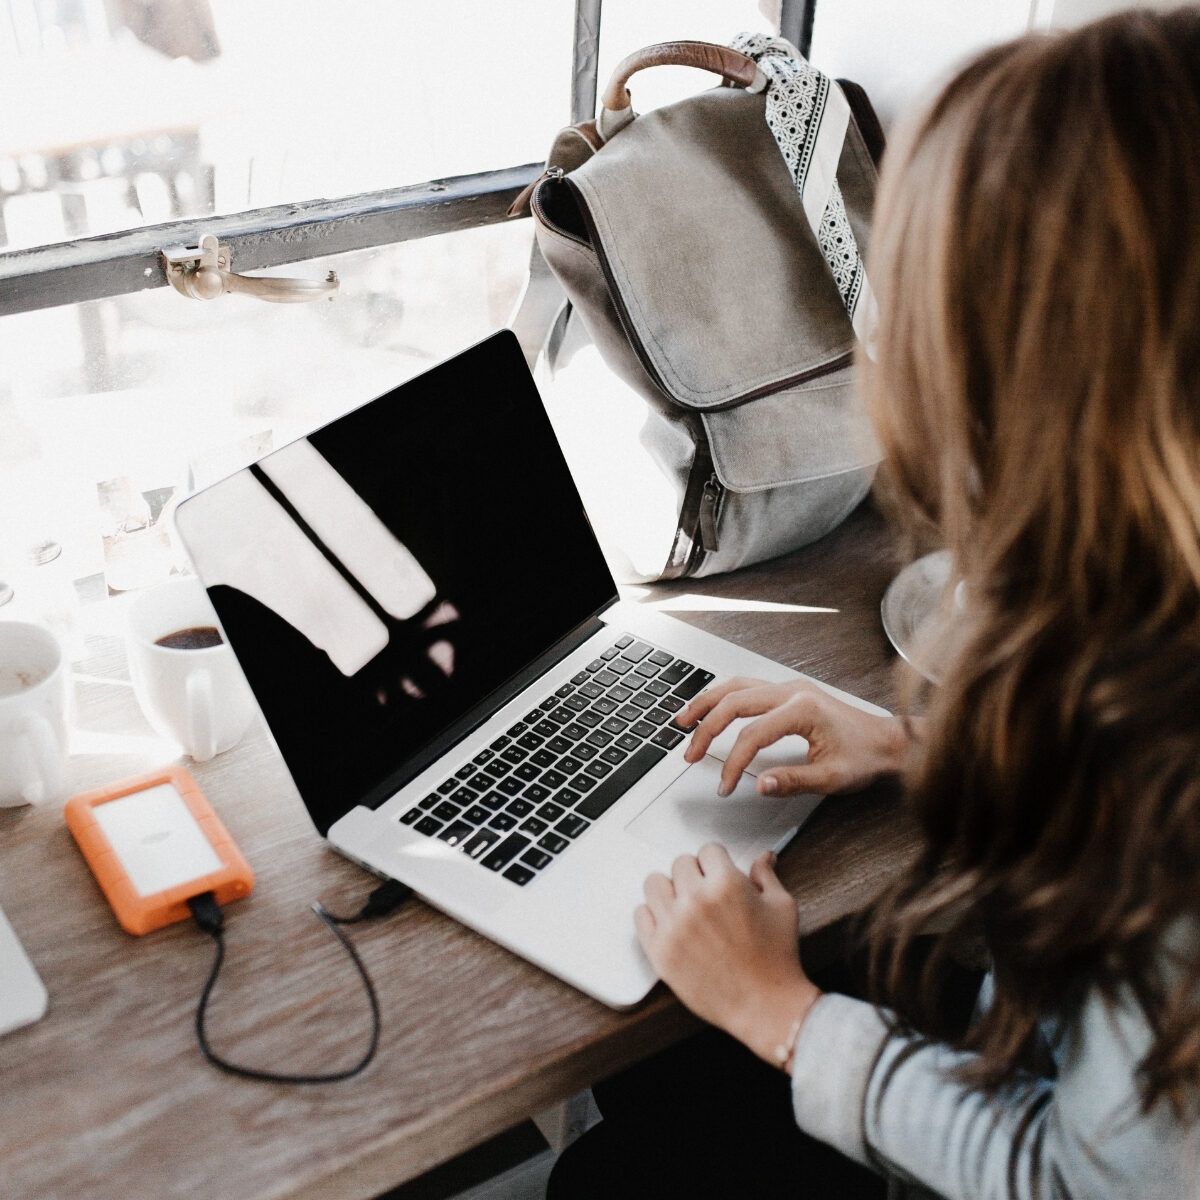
129, 261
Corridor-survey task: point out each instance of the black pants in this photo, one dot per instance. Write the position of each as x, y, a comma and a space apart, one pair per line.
705, 1120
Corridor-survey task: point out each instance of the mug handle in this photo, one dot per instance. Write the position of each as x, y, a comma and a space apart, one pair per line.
202, 734
40, 766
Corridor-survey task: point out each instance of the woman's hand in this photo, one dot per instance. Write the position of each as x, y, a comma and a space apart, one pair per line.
847, 748
727, 945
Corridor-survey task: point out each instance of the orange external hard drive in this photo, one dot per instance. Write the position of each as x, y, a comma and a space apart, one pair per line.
154, 842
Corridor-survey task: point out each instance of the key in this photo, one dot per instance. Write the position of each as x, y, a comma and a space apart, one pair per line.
598, 802
479, 841
456, 832
536, 858
669, 736
675, 672
694, 683
571, 825
503, 853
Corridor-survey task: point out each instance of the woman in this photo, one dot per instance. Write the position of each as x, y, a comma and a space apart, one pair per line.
1037, 393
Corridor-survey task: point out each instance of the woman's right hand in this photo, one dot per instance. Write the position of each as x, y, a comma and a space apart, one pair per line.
847, 747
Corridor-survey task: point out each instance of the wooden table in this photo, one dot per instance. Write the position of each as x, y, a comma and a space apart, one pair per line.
107, 1097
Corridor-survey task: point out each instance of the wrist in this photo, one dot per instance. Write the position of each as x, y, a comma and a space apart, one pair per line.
897, 744
771, 1027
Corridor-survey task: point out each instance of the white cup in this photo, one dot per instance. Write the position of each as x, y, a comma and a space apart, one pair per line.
33, 714
197, 697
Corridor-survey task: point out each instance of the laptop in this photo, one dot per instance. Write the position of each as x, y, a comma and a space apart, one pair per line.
23, 996
464, 702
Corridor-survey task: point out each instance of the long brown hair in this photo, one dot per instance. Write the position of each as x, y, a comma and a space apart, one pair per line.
1037, 393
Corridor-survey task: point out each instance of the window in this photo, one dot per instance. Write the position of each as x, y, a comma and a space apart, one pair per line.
380, 141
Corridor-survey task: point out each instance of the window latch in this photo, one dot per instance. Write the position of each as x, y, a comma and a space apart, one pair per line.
203, 273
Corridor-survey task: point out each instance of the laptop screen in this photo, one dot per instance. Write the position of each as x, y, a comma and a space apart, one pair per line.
379, 579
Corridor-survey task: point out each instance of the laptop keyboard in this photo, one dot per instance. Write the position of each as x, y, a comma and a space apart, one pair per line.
521, 802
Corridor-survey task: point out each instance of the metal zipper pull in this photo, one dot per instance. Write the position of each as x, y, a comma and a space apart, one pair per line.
710, 501
521, 203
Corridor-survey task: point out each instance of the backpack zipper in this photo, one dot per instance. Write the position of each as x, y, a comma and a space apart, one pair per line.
710, 500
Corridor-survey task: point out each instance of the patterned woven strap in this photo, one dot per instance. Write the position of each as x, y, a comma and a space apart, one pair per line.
808, 116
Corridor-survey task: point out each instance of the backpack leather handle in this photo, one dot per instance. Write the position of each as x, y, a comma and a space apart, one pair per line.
734, 67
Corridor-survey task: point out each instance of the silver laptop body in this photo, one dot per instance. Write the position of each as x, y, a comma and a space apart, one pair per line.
427, 622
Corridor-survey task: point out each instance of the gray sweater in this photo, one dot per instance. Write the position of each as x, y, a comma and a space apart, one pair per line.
886, 1100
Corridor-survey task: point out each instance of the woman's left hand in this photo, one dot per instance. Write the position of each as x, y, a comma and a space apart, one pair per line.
727, 945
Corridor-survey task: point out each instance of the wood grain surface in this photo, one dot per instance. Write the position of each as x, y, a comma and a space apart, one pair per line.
108, 1098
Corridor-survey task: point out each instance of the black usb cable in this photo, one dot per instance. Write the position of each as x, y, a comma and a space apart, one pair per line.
208, 915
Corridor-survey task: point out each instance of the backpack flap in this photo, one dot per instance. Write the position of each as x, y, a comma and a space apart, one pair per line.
705, 245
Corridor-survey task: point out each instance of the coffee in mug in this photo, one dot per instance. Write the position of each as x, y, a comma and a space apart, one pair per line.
33, 714
186, 678
196, 637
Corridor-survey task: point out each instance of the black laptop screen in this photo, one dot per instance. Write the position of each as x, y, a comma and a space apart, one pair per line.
423, 549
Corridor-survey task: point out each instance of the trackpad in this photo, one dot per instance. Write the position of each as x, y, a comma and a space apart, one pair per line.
689, 813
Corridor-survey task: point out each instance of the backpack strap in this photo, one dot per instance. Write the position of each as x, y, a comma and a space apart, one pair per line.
808, 115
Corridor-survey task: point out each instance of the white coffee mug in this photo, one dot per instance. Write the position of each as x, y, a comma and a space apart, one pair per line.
196, 696
33, 714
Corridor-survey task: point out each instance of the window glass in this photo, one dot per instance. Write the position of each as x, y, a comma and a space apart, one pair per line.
899, 52
135, 112
629, 25
108, 409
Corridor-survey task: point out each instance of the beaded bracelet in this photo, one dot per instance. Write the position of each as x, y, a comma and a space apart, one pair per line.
785, 1052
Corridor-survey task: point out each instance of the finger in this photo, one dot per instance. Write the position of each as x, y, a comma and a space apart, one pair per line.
816, 778
685, 874
659, 892
714, 860
750, 702
795, 716
702, 704
762, 873
646, 926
